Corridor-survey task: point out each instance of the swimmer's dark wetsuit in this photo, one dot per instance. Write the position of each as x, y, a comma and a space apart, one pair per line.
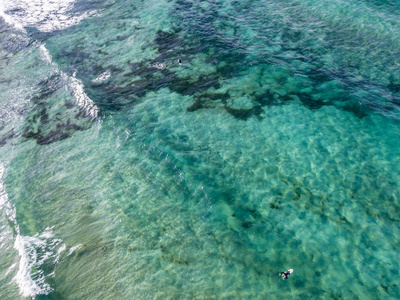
287, 273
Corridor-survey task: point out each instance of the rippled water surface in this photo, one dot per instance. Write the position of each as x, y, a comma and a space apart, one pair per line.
274, 144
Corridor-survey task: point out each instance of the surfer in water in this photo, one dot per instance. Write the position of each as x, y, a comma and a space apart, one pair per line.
286, 274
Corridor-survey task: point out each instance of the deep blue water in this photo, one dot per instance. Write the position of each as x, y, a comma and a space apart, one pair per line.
273, 145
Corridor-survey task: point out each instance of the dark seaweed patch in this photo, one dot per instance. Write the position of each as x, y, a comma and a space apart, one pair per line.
205, 100
185, 87
202, 30
395, 88
269, 99
167, 42
61, 132
247, 224
274, 206
236, 62
244, 114
44, 117
52, 137
197, 104
7, 136
47, 88
308, 101
46, 127
357, 110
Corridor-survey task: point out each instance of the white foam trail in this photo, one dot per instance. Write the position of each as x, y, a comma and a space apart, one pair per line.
10, 269
77, 90
10, 20
45, 15
102, 77
5, 205
34, 251
59, 251
26, 247
74, 248
46, 54
75, 86
159, 66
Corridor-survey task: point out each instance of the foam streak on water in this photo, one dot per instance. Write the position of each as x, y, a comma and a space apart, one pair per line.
75, 86
34, 251
84, 102
45, 15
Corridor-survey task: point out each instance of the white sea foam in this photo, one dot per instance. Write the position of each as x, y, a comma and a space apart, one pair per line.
102, 77
59, 252
75, 85
46, 54
5, 206
45, 15
159, 66
74, 248
9, 19
26, 247
77, 90
34, 251
10, 269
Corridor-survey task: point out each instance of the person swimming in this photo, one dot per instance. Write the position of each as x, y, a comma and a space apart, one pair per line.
180, 61
286, 274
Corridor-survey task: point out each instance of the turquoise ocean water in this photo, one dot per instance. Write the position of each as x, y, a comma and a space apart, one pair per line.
275, 144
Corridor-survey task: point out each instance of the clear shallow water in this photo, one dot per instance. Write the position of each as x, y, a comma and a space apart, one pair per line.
275, 145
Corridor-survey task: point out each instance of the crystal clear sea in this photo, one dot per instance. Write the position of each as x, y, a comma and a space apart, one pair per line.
181, 149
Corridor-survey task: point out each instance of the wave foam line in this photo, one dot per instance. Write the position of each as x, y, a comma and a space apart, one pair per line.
75, 86
102, 77
46, 55
5, 205
34, 251
77, 90
10, 20
31, 284
45, 15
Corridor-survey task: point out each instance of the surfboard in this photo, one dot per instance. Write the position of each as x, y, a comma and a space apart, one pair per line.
283, 273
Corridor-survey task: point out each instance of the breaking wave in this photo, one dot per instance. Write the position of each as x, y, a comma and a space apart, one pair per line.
44, 15
75, 86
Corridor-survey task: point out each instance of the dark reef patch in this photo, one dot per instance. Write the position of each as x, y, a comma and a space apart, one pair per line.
201, 31
50, 121
244, 114
7, 136
229, 63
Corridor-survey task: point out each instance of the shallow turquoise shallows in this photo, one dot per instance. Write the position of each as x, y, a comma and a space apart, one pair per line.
195, 149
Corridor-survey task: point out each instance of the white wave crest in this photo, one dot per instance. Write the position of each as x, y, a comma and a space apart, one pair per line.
45, 15
74, 248
102, 77
46, 54
59, 251
5, 205
159, 66
10, 269
31, 282
84, 102
9, 19
34, 251
75, 86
